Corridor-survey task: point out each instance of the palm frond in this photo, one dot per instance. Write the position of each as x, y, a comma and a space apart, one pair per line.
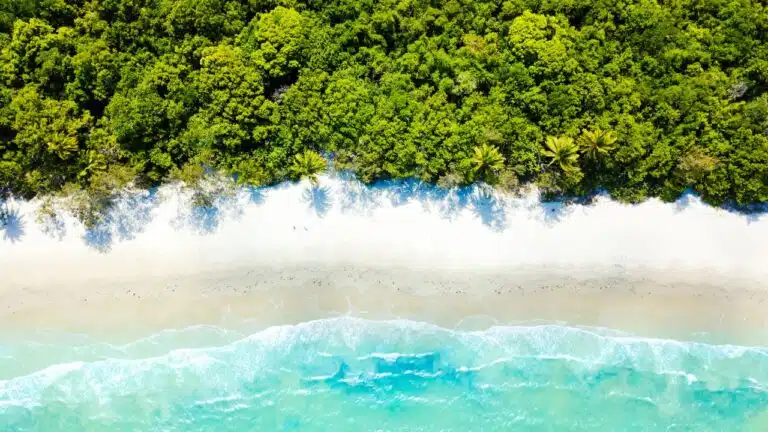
486, 161
307, 165
596, 142
563, 152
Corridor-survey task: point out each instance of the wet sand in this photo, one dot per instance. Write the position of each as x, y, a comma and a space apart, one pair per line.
680, 305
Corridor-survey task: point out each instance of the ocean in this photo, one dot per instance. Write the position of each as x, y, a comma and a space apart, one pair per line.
351, 374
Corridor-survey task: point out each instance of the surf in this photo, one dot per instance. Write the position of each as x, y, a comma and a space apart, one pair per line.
394, 373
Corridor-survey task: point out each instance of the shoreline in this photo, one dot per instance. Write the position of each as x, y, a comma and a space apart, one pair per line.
642, 303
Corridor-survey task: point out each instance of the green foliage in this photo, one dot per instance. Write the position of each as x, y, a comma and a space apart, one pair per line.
508, 181
660, 96
191, 174
46, 212
307, 165
47, 128
596, 142
486, 162
277, 39
695, 165
562, 152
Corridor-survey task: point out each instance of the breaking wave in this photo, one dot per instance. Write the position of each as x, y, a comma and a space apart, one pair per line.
354, 374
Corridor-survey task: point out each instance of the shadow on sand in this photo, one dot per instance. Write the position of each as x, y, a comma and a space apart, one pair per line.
554, 211
205, 219
317, 199
489, 208
54, 226
12, 224
126, 219
256, 195
482, 201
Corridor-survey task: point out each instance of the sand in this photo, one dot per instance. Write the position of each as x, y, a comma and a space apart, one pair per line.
468, 260
720, 309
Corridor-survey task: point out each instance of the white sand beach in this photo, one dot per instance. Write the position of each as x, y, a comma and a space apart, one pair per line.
467, 259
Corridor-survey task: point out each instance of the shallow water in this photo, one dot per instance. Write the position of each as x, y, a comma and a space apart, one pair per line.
350, 374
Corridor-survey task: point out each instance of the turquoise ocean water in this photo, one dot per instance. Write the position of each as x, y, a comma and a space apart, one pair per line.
350, 374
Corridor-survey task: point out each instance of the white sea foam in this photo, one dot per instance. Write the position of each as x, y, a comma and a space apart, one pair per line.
399, 224
291, 348
494, 370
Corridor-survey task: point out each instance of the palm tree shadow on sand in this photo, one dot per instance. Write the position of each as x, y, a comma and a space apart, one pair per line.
126, 219
451, 201
256, 195
203, 215
481, 201
554, 211
317, 199
356, 196
99, 237
402, 192
54, 227
205, 219
12, 224
490, 209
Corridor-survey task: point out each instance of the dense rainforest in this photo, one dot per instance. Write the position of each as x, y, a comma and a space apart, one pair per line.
636, 97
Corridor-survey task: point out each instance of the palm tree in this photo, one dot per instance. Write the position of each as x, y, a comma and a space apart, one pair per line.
564, 152
307, 165
486, 161
595, 142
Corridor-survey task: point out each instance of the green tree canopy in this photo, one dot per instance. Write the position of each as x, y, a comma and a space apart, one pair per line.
659, 96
